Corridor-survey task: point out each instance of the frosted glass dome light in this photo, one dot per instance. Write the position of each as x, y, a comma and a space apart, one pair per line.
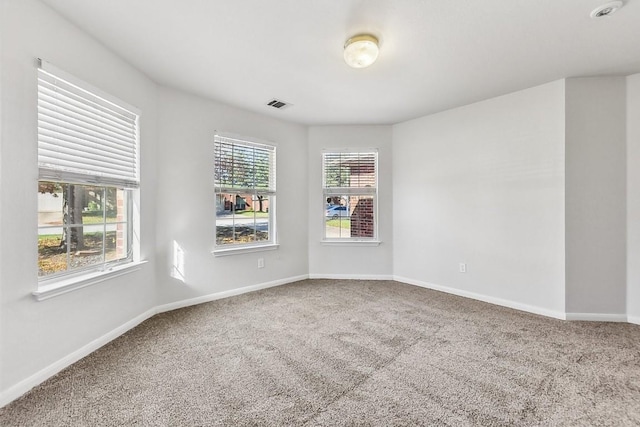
361, 51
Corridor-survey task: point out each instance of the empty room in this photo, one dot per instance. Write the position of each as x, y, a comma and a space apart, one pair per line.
301, 212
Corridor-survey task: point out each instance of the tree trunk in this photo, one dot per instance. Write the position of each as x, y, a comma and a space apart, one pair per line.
75, 216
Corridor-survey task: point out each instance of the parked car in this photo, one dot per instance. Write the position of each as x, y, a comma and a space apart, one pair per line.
336, 211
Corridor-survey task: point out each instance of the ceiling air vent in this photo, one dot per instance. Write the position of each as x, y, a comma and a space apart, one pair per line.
606, 9
280, 105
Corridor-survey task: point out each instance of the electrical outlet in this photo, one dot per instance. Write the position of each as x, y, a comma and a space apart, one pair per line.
463, 267
260, 262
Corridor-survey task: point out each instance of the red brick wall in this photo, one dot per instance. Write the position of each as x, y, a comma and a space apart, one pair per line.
362, 219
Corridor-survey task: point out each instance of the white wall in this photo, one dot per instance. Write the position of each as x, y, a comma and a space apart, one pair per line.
2, 138
347, 260
484, 185
633, 198
595, 196
34, 335
186, 202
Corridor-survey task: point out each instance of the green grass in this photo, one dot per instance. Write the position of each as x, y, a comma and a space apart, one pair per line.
42, 237
48, 238
250, 214
92, 219
342, 223
96, 217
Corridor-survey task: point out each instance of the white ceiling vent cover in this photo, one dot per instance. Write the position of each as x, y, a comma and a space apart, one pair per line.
279, 104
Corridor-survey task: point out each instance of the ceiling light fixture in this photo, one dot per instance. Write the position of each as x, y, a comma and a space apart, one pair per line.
606, 9
361, 51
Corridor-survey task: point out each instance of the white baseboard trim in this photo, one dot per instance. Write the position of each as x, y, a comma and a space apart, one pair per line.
484, 298
351, 276
39, 377
28, 383
226, 294
633, 319
597, 317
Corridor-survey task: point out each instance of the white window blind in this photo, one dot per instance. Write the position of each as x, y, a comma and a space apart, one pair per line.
244, 166
349, 172
83, 135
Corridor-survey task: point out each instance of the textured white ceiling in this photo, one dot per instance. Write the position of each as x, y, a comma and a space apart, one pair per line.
434, 55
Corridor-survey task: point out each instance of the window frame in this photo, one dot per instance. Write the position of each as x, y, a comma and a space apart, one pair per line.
104, 266
67, 171
334, 191
270, 192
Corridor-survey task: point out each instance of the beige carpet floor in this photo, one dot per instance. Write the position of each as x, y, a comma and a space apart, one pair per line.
348, 353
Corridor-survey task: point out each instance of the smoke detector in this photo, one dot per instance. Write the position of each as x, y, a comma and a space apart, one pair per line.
607, 9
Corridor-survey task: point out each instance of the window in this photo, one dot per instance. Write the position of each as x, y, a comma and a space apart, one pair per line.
245, 191
88, 171
349, 182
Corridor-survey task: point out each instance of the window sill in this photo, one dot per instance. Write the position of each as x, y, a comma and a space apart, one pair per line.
244, 250
63, 286
346, 242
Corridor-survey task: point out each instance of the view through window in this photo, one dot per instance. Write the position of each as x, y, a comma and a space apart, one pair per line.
349, 195
81, 226
245, 192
